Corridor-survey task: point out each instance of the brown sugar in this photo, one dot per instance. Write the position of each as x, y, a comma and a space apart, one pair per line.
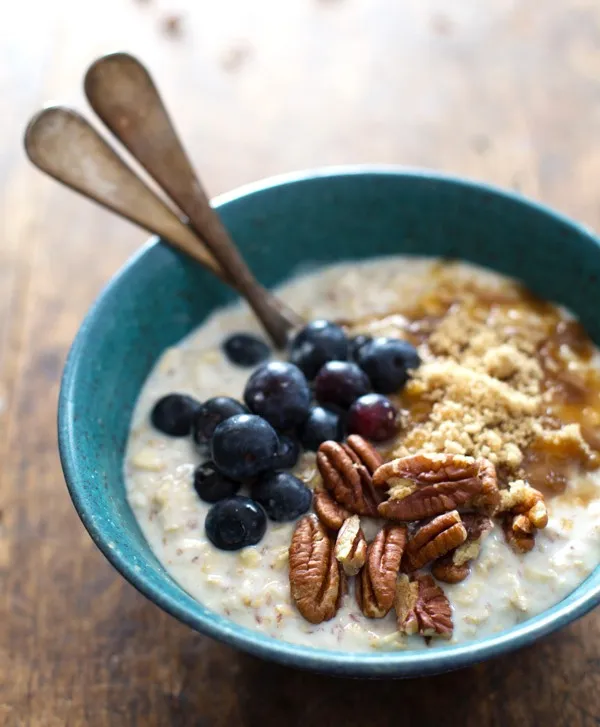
485, 388
473, 414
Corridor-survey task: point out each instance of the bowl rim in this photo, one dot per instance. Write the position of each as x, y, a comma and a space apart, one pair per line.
363, 664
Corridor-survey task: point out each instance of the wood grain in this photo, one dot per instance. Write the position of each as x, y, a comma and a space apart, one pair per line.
499, 90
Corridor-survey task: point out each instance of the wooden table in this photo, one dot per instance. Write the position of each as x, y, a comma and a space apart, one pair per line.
502, 90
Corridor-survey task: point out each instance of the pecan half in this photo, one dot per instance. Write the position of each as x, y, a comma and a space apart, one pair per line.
351, 546
316, 583
347, 471
329, 512
454, 567
434, 539
525, 513
422, 607
425, 485
376, 587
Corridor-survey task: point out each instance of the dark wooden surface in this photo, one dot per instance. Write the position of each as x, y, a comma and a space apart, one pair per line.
502, 90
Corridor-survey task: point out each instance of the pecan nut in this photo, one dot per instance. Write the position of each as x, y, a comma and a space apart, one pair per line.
434, 539
422, 607
525, 513
455, 566
425, 485
376, 587
316, 580
329, 512
347, 471
351, 546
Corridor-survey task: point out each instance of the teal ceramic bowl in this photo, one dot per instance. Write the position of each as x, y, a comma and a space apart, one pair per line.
281, 224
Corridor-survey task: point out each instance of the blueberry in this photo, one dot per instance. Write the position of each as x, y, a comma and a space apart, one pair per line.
320, 426
340, 383
243, 446
387, 362
283, 496
235, 523
278, 392
316, 344
211, 485
244, 349
374, 417
357, 343
210, 414
287, 454
173, 414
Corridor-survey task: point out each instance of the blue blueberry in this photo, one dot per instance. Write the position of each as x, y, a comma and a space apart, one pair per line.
210, 414
341, 383
244, 349
320, 426
317, 343
243, 446
278, 392
173, 414
235, 523
387, 362
283, 496
287, 454
211, 485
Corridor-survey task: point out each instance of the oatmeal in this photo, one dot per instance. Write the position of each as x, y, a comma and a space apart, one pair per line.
468, 499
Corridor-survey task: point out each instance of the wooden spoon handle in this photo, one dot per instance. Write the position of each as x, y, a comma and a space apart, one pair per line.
62, 143
123, 94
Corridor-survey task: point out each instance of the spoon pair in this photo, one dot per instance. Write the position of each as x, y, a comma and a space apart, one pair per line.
60, 142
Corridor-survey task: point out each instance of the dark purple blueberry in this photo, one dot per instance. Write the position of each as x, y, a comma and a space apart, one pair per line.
316, 344
340, 383
235, 523
283, 496
278, 392
387, 362
357, 343
173, 414
211, 485
287, 454
243, 446
320, 426
210, 414
244, 349
374, 417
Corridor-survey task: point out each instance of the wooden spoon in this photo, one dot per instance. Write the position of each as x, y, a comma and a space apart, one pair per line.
61, 143
122, 93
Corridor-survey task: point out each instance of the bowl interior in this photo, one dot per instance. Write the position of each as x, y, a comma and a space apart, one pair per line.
281, 226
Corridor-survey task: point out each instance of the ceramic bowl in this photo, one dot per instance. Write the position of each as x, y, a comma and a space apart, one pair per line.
280, 225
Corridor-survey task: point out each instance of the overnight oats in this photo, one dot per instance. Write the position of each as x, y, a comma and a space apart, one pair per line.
420, 467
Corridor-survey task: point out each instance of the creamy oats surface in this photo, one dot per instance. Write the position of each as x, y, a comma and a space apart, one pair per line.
504, 377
